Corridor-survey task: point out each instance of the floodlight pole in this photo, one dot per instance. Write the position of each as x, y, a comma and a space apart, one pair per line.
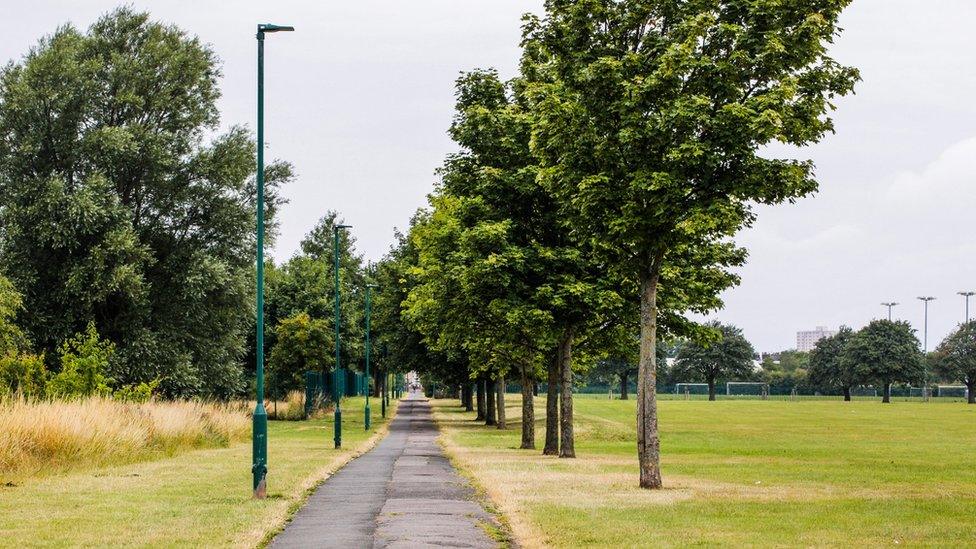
889, 305
967, 295
925, 345
259, 433
336, 395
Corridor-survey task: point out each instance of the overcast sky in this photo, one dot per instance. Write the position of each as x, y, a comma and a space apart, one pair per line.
360, 97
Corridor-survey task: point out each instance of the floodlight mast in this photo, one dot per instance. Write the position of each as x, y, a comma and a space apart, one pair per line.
925, 345
889, 305
967, 295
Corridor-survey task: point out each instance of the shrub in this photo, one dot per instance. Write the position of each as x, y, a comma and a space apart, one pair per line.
84, 361
23, 373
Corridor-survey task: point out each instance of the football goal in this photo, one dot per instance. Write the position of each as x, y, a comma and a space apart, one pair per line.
958, 391
920, 392
747, 388
691, 389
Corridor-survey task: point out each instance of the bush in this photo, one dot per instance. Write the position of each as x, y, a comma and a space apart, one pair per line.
24, 373
84, 361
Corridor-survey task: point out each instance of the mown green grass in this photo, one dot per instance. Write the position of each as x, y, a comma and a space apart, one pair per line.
196, 499
738, 473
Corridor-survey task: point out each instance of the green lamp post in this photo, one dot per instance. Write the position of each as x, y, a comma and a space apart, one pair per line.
336, 394
259, 434
369, 287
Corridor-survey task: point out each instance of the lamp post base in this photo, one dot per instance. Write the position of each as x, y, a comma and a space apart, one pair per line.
259, 466
338, 428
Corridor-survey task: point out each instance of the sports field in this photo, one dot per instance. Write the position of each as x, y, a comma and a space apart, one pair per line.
737, 473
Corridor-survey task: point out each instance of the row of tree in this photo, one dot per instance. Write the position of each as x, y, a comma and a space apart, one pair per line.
886, 352
593, 200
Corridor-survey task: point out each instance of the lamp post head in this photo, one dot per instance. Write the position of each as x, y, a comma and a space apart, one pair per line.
890, 304
967, 294
927, 298
268, 27
337, 227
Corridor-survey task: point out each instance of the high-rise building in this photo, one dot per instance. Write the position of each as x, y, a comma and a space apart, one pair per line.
806, 340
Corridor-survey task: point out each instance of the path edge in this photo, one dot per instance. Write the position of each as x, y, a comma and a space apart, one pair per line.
481, 494
313, 481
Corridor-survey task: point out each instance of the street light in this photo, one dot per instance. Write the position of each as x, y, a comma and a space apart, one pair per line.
368, 307
889, 305
335, 374
967, 295
259, 433
925, 345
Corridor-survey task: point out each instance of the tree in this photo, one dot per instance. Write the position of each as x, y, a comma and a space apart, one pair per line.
302, 344
828, 370
116, 208
650, 122
885, 352
728, 357
305, 285
790, 369
955, 357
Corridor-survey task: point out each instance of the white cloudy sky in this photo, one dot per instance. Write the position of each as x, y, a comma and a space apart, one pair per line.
359, 99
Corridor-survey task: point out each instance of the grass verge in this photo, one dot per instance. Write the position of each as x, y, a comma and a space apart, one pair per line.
200, 498
737, 473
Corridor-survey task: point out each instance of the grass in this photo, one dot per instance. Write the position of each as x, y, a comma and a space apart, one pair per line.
50, 436
198, 498
737, 473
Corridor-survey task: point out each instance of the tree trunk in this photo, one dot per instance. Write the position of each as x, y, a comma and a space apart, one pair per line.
466, 397
711, 388
480, 389
624, 380
887, 393
500, 407
490, 418
847, 394
971, 389
566, 440
528, 411
648, 443
552, 408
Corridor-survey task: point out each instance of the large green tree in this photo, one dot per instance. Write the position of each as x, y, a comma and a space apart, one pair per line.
117, 207
727, 356
955, 357
651, 118
828, 370
885, 352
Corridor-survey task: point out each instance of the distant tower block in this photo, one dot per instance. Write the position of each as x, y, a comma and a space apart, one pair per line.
805, 341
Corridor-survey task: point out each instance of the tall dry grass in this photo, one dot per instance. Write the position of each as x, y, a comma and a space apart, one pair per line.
42, 436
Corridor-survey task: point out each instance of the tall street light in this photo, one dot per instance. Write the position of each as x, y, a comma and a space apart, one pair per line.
369, 287
889, 305
259, 433
967, 295
925, 344
336, 396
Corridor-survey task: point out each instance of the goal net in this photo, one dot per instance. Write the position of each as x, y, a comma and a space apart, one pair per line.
864, 391
746, 388
691, 389
958, 391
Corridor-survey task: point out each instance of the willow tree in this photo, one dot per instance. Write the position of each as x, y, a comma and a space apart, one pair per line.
651, 121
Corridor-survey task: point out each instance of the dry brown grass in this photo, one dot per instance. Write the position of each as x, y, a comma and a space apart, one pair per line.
37, 437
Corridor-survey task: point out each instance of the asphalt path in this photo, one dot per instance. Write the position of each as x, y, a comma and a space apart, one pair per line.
402, 493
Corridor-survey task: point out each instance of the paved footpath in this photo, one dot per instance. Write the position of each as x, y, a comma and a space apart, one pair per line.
402, 493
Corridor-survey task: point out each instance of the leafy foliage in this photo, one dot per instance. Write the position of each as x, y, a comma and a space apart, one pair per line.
828, 369
302, 345
729, 357
114, 210
955, 357
885, 352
